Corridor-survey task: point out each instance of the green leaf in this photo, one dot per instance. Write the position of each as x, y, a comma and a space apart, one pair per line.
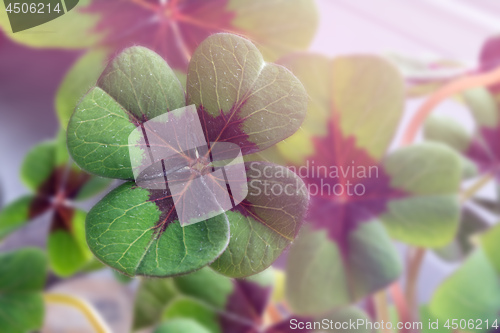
491, 246
194, 285
482, 105
272, 26
61, 149
479, 151
125, 231
199, 312
38, 165
447, 130
424, 169
92, 187
152, 297
182, 77
123, 279
142, 83
243, 99
21, 312
155, 296
67, 250
22, 277
341, 91
213, 300
472, 292
318, 279
22, 270
15, 215
431, 173
266, 222
426, 318
367, 74
93, 265
348, 314
104, 153
136, 86
78, 80
470, 225
181, 325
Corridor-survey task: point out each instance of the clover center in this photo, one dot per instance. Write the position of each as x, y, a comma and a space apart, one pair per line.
201, 165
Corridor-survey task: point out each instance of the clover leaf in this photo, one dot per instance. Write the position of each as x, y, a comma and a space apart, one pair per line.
240, 100
57, 184
217, 303
472, 292
477, 148
471, 224
479, 156
181, 325
175, 28
171, 28
426, 75
223, 305
361, 195
22, 277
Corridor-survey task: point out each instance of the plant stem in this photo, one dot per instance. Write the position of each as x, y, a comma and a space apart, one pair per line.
145, 4
179, 40
413, 270
416, 258
273, 314
399, 300
448, 90
469, 193
370, 308
382, 309
83, 307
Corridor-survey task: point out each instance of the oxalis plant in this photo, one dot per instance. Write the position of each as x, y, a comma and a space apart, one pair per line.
475, 245
205, 301
408, 194
57, 188
239, 99
23, 274
173, 29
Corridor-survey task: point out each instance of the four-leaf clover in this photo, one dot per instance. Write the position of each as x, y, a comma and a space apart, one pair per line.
361, 193
240, 99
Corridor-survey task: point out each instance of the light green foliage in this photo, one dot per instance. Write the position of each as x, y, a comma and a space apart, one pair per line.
22, 277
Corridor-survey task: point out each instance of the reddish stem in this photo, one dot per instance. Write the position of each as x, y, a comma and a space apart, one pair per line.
400, 303
413, 271
273, 313
448, 90
145, 4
